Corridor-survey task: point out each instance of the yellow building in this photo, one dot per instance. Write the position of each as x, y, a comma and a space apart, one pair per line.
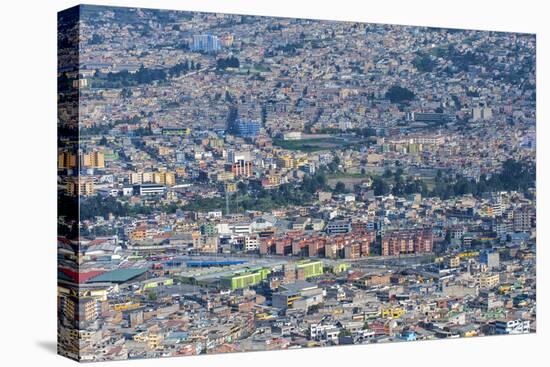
300, 161
152, 338
224, 176
125, 306
216, 143
180, 171
164, 178
80, 186
164, 150
138, 234
454, 262
286, 161
66, 160
231, 187
393, 312
488, 281
86, 160
93, 160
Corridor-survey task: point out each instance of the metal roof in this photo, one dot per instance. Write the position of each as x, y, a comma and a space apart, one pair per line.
118, 275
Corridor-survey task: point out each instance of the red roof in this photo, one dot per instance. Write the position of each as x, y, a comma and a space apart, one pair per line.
81, 277
97, 242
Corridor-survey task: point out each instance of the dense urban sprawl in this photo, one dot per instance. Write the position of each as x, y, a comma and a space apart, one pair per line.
252, 183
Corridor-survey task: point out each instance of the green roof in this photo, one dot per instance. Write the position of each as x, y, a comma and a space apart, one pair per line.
63, 276
118, 275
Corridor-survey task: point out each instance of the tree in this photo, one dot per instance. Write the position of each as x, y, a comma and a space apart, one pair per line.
397, 94
380, 186
264, 114
126, 93
229, 62
340, 188
424, 63
242, 187
232, 116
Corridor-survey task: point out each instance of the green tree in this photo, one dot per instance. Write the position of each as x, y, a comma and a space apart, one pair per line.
397, 94
380, 186
340, 188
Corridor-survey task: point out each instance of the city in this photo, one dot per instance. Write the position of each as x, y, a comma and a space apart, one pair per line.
233, 183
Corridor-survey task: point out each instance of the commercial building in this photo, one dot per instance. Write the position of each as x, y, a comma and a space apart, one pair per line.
244, 279
149, 189
429, 117
309, 268
298, 295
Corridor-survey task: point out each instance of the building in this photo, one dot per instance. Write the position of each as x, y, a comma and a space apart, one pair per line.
242, 168
164, 178
338, 226
207, 244
80, 311
244, 279
429, 117
489, 281
490, 259
481, 114
292, 135
298, 295
80, 186
517, 326
209, 229
247, 128
205, 43
251, 243
66, 160
309, 268
324, 196
454, 262
92, 160
522, 220
149, 189
413, 241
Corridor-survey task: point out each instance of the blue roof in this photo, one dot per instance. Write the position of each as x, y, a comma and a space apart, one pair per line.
203, 264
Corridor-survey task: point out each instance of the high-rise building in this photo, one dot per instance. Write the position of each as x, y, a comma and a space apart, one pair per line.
481, 114
522, 220
490, 258
206, 43
246, 128
242, 168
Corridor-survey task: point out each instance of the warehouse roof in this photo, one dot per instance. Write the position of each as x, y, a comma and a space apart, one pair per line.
118, 275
